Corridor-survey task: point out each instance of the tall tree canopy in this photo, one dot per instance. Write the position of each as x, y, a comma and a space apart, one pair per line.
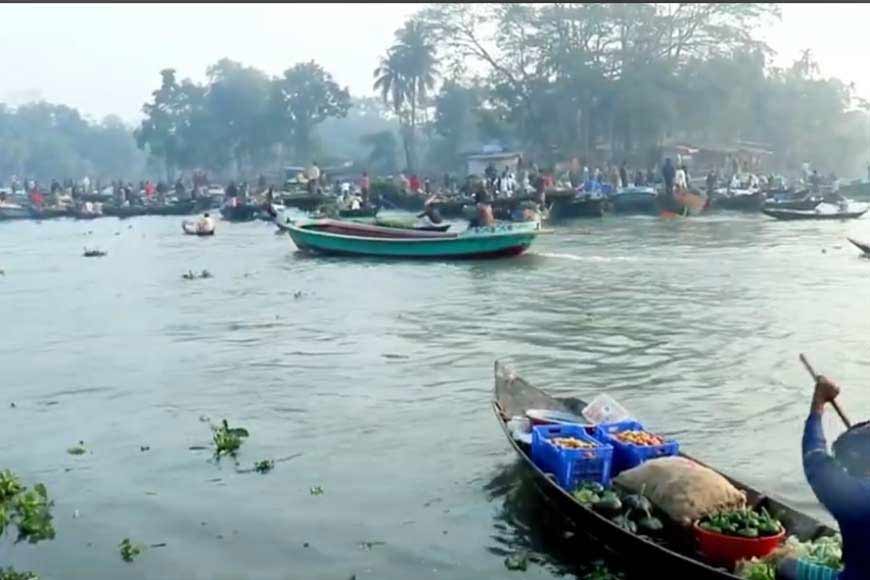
405, 77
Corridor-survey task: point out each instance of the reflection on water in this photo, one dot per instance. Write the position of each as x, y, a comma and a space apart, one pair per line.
376, 376
524, 523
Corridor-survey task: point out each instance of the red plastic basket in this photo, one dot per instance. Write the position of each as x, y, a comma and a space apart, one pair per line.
724, 550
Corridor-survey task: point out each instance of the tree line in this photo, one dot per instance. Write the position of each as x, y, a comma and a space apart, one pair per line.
600, 82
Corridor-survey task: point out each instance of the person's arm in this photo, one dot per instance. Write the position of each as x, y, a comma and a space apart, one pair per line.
833, 486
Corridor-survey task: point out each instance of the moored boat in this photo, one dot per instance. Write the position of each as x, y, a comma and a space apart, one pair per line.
587, 205
13, 211
738, 199
410, 224
822, 211
351, 238
671, 555
243, 212
635, 200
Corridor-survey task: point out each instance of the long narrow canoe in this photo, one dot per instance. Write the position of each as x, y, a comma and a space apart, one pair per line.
854, 211
351, 238
673, 557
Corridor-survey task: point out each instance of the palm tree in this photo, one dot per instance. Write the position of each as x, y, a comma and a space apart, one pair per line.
405, 77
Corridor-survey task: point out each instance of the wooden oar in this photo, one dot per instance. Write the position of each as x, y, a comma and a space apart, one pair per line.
834, 403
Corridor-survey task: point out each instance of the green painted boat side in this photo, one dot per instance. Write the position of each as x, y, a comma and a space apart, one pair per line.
499, 240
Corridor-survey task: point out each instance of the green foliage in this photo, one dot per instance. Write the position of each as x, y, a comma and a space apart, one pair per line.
228, 440
128, 550
303, 98
10, 574
404, 78
28, 510
264, 466
45, 141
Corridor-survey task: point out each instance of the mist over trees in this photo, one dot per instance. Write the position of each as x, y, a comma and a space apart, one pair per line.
601, 82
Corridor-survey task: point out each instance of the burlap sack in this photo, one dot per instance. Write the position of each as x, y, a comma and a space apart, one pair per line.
681, 488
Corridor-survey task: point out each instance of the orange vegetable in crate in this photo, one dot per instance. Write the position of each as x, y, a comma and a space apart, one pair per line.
572, 443
641, 438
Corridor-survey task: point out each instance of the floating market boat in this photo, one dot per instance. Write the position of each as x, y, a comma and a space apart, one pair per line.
88, 211
635, 200
738, 199
803, 200
823, 211
409, 224
13, 211
586, 205
684, 203
243, 212
671, 555
351, 238
45, 213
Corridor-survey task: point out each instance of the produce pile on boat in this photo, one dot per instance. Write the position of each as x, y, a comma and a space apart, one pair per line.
825, 551
641, 438
572, 443
745, 523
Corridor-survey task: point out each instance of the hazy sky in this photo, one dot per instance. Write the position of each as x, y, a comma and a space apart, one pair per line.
106, 58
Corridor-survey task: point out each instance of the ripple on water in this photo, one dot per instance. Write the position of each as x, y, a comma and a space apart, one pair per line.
377, 380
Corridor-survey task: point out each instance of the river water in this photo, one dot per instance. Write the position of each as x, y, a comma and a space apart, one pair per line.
372, 380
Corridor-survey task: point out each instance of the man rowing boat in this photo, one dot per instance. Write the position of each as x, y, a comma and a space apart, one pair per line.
842, 484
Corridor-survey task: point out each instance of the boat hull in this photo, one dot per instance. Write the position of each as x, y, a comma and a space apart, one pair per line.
577, 208
240, 213
480, 243
804, 215
678, 558
13, 212
634, 203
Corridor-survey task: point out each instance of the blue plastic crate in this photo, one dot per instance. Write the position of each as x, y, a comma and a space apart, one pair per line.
571, 466
628, 455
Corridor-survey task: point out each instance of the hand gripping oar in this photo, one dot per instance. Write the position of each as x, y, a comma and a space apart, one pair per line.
834, 403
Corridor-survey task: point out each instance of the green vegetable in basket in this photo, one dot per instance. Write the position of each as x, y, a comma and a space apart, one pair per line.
624, 522
586, 496
650, 524
756, 569
593, 486
608, 503
745, 523
637, 502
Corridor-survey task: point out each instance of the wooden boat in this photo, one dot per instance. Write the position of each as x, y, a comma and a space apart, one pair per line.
671, 557
125, 211
351, 238
803, 200
635, 200
192, 228
410, 224
244, 212
363, 212
13, 211
585, 206
88, 211
45, 213
738, 199
823, 211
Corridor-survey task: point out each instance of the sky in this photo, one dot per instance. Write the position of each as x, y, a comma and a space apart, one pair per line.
105, 59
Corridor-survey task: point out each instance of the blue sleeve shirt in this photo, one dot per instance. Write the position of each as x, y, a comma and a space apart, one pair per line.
845, 496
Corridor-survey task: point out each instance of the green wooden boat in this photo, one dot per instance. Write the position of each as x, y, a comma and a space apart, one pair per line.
351, 238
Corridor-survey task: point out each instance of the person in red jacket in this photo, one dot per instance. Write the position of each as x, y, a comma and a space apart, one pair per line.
414, 183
